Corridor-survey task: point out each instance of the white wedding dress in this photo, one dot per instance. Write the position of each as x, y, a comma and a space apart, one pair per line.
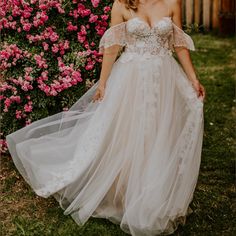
132, 158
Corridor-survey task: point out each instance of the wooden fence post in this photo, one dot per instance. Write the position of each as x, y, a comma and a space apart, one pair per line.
189, 12
227, 17
183, 12
206, 13
215, 14
209, 13
197, 11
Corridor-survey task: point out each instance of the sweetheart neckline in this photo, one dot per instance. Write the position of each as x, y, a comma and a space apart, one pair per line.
150, 27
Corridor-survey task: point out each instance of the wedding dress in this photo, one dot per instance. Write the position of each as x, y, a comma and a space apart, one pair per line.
132, 158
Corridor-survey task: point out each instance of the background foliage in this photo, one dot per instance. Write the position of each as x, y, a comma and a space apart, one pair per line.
48, 56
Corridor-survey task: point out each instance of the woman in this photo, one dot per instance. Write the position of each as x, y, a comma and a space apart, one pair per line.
129, 149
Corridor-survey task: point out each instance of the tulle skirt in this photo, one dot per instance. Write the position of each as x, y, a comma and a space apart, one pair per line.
132, 158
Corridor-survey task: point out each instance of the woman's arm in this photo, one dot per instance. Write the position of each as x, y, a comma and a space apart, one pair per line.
183, 54
109, 54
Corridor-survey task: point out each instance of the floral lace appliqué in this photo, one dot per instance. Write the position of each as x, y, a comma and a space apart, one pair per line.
137, 37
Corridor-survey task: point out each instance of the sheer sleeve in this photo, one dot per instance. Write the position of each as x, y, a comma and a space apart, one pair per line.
180, 39
115, 35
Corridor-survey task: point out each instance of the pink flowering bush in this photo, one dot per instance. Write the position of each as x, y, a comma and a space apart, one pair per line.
48, 56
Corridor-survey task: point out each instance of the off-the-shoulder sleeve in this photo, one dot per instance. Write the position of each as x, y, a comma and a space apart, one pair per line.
115, 35
180, 39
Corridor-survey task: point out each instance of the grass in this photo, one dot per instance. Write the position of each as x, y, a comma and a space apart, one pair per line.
214, 202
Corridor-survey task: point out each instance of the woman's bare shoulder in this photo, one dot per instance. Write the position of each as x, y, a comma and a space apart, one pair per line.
119, 4
117, 12
175, 7
174, 3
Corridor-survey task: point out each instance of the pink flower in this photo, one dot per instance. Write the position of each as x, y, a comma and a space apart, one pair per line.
7, 102
18, 114
80, 7
44, 75
76, 75
26, 86
82, 11
86, 44
93, 18
16, 11
45, 46
28, 77
53, 92
62, 52
46, 89
106, 9
95, 3
75, 14
43, 16
66, 44
40, 18
28, 69
59, 8
100, 30
80, 38
55, 48
5, 55
83, 30
37, 22
3, 145
54, 37
89, 66
104, 17
28, 107
26, 14
86, 12
41, 62
43, 7
15, 98
71, 27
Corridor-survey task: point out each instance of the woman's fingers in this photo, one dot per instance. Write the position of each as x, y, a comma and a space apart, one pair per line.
95, 97
197, 88
202, 90
101, 95
98, 96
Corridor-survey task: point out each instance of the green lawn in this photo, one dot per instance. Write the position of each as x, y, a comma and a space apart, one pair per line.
214, 203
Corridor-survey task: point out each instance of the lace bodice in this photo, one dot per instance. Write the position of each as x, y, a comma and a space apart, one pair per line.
138, 37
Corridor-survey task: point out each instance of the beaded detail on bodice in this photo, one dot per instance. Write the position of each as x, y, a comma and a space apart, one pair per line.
138, 37
145, 39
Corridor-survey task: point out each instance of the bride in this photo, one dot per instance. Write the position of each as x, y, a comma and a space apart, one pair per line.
129, 149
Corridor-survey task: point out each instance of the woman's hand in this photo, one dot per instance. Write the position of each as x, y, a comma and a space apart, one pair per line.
201, 93
99, 93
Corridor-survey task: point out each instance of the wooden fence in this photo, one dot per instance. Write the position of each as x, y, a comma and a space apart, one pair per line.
208, 13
